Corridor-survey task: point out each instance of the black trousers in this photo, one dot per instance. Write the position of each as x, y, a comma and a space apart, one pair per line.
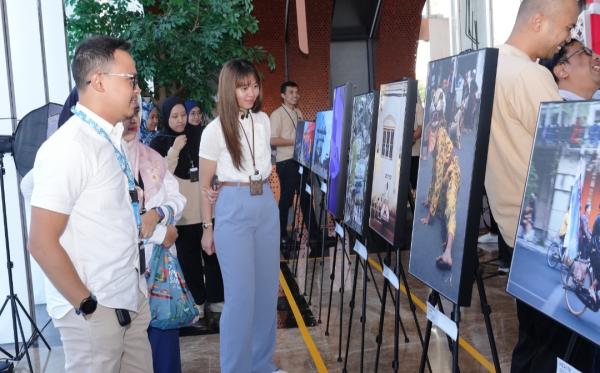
541, 340
289, 180
201, 272
504, 250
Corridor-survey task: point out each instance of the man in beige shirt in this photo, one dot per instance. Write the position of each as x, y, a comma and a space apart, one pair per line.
541, 28
283, 134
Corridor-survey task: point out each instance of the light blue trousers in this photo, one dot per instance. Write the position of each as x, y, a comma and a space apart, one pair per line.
247, 245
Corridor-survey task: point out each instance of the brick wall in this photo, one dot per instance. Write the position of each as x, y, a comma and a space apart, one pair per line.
395, 49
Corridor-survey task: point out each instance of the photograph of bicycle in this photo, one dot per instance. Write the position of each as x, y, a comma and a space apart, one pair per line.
556, 262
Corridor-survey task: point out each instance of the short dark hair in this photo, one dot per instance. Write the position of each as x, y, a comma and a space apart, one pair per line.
287, 84
93, 53
550, 63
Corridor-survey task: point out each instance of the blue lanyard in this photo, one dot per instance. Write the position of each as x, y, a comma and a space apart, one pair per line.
122, 162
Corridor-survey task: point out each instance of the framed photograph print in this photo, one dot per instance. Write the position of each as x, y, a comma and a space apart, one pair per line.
391, 168
321, 142
305, 133
360, 162
458, 110
556, 260
338, 155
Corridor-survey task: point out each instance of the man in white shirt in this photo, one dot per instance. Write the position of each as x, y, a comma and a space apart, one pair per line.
83, 231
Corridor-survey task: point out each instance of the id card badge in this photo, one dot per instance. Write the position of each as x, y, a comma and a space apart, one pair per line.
142, 253
194, 175
256, 184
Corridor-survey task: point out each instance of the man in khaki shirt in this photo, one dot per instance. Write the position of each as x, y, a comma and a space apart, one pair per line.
283, 134
541, 28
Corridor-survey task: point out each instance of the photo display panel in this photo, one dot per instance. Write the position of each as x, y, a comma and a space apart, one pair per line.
321, 143
338, 155
557, 249
298, 140
391, 168
458, 109
305, 133
360, 163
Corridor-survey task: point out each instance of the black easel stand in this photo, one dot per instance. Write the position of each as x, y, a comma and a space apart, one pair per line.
297, 238
342, 283
12, 298
331, 278
342, 286
352, 298
323, 214
571, 347
309, 249
435, 299
312, 280
399, 270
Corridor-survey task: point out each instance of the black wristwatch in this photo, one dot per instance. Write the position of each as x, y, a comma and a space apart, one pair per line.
87, 306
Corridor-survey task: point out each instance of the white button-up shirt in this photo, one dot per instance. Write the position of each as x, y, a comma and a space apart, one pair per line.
76, 173
214, 148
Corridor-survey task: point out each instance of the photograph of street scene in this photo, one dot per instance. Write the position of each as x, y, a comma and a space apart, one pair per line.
556, 261
451, 125
359, 161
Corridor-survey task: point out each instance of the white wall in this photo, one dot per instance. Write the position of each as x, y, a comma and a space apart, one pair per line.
504, 14
30, 87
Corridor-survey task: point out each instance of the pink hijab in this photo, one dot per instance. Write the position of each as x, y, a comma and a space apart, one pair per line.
148, 164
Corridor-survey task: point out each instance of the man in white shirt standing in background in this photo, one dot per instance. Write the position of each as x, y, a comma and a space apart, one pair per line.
84, 228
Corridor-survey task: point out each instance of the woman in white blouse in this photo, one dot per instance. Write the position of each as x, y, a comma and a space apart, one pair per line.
235, 147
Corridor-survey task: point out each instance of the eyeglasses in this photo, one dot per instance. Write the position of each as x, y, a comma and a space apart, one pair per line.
133, 78
585, 50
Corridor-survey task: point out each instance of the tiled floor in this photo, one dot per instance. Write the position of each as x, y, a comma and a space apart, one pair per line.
201, 353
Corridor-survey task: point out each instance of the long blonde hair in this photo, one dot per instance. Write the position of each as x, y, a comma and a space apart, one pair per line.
235, 74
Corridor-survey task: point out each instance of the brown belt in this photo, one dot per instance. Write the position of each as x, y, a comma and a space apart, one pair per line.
239, 183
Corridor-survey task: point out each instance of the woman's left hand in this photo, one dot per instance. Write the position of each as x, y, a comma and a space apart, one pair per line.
212, 194
149, 221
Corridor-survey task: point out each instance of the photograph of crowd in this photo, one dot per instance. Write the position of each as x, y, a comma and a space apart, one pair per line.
305, 133
360, 163
395, 119
556, 261
338, 156
322, 140
455, 89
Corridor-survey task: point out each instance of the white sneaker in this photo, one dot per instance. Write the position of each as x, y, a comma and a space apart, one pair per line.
278, 370
200, 308
216, 307
488, 238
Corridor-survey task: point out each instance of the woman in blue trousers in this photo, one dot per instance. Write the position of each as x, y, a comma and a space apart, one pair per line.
236, 148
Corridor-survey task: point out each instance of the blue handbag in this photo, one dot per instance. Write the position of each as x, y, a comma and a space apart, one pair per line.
171, 304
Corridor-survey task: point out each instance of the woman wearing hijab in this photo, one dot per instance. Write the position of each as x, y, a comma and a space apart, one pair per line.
148, 129
212, 272
159, 193
172, 142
